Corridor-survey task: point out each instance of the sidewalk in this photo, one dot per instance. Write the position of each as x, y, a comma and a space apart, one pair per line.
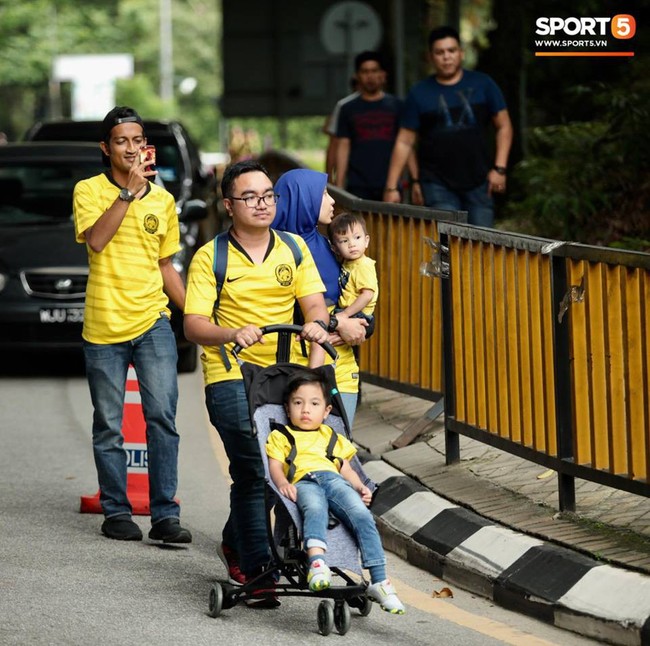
491, 524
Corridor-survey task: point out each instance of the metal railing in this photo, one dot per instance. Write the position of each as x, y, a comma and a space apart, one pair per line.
547, 354
546, 351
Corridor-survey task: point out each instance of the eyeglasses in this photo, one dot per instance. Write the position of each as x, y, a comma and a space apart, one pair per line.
252, 201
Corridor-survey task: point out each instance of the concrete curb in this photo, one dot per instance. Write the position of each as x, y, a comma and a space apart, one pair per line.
525, 574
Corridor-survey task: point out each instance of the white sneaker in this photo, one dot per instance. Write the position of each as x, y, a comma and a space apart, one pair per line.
385, 595
319, 576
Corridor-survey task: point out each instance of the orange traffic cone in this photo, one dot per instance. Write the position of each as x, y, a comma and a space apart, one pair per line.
135, 444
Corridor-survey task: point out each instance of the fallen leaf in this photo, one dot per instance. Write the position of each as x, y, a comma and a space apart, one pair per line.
445, 592
546, 474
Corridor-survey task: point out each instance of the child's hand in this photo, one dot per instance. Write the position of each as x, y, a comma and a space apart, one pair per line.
366, 495
288, 491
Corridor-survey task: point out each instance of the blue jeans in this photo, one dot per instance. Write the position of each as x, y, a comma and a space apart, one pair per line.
154, 356
245, 530
476, 201
349, 401
322, 489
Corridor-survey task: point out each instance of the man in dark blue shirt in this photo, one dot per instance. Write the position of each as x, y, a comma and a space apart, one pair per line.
448, 114
366, 131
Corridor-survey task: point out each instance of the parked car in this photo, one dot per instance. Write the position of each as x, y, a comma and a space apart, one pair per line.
43, 271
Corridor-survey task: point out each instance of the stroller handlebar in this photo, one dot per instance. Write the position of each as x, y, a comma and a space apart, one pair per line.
285, 332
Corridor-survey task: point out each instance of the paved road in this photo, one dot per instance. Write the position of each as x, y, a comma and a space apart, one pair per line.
61, 582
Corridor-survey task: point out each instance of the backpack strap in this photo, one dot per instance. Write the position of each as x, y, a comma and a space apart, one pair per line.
220, 262
290, 241
219, 266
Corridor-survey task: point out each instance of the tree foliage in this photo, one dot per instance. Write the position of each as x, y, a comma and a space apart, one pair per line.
588, 181
580, 159
33, 33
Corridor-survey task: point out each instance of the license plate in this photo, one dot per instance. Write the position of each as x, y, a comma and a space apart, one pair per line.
62, 315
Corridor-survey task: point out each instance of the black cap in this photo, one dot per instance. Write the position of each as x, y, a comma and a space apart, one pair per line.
117, 116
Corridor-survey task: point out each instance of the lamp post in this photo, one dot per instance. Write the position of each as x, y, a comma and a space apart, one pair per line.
166, 51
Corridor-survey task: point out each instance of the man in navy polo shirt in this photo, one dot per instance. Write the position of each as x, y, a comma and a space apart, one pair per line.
448, 114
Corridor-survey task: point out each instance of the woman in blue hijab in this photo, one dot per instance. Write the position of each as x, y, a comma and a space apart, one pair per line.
303, 193
304, 203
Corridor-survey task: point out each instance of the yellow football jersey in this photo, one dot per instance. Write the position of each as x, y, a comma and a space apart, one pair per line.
252, 294
125, 296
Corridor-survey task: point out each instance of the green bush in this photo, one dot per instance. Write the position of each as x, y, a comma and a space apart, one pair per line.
589, 181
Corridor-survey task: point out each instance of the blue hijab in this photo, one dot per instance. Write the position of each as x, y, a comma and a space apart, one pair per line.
301, 194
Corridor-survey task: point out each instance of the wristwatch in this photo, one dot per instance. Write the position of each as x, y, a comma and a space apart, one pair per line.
334, 323
126, 195
502, 170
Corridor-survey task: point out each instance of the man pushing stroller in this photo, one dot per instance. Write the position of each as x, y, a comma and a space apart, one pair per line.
264, 274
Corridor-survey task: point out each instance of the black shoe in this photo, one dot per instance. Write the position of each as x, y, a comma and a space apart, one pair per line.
170, 531
121, 528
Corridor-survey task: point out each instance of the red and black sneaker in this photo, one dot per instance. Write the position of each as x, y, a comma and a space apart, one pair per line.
263, 594
231, 561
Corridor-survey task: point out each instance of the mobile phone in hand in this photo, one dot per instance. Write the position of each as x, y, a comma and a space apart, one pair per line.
148, 154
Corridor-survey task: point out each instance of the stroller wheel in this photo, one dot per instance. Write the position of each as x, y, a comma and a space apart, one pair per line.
362, 604
365, 606
216, 600
342, 616
325, 617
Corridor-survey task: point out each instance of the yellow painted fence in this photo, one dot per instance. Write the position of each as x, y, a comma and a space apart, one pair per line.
548, 353
546, 350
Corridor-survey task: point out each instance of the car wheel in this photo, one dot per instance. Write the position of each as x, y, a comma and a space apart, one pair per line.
187, 359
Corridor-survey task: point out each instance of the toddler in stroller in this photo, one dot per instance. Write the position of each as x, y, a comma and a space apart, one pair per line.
309, 463
296, 465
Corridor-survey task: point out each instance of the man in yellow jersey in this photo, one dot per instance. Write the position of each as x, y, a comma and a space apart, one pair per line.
130, 228
263, 281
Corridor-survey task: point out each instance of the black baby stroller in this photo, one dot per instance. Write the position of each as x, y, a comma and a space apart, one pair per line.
289, 563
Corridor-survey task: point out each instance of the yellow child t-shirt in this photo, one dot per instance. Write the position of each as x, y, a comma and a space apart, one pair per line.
357, 275
311, 450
